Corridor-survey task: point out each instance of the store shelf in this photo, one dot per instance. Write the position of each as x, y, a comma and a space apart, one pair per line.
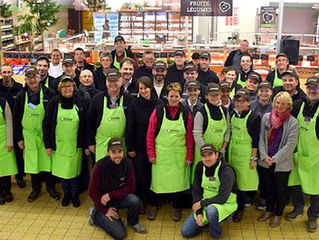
6, 34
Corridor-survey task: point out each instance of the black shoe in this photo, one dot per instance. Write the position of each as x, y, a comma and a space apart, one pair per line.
76, 201
54, 194
21, 183
33, 195
2, 200
8, 196
66, 200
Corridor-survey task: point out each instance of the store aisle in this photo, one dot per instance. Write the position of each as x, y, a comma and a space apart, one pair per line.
46, 219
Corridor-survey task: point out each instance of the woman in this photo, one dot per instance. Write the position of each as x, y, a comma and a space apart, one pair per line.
278, 139
8, 165
139, 113
231, 74
246, 66
170, 150
64, 137
100, 73
211, 124
243, 147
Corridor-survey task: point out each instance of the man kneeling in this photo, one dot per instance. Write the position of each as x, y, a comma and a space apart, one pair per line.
213, 197
111, 188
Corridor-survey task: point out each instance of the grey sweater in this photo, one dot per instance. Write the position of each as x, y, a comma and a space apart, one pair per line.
284, 157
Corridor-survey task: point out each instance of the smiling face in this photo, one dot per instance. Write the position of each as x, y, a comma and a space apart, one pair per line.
190, 75
55, 57
127, 71
289, 83
193, 93
79, 56
312, 91
116, 155
173, 98
213, 98
67, 89
42, 67
204, 63
241, 104
106, 62
6, 73
209, 158
149, 60
114, 87
33, 81
264, 94
69, 69
280, 105
119, 46
179, 60
251, 84
144, 91
282, 62
246, 63
230, 77
86, 78
159, 74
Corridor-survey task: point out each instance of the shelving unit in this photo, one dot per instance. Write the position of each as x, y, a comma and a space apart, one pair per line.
6, 34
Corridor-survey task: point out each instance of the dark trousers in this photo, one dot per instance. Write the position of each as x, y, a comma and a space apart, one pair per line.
241, 200
277, 190
143, 171
116, 227
20, 162
70, 186
177, 198
36, 181
262, 188
5, 184
84, 177
298, 202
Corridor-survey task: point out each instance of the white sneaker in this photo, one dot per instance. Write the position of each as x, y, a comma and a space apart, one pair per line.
90, 220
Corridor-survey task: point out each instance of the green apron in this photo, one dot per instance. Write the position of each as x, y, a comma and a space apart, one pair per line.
67, 158
35, 156
240, 82
169, 173
116, 63
232, 93
8, 164
210, 190
307, 156
112, 124
214, 134
239, 154
277, 81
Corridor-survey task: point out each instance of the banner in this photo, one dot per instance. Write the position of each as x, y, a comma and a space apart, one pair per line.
206, 7
268, 17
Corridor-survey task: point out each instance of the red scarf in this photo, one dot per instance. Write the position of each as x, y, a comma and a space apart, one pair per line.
276, 122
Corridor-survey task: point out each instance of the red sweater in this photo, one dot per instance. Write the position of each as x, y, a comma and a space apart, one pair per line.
150, 138
96, 183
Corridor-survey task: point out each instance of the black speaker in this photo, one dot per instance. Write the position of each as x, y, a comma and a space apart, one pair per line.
291, 48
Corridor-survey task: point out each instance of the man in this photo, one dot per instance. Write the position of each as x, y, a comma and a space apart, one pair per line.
233, 58
111, 188
290, 84
195, 59
107, 115
159, 79
68, 66
213, 194
205, 75
42, 64
305, 176
175, 72
282, 65
9, 89
86, 87
55, 69
147, 67
81, 64
129, 81
252, 82
120, 52
190, 74
28, 115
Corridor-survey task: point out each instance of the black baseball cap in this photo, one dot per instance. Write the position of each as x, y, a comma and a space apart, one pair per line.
242, 93
212, 89
67, 60
255, 76
265, 84
195, 55
179, 53
207, 148
223, 85
205, 55
31, 70
290, 72
193, 84
66, 78
281, 55
160, 64
189, 66
118, 38
115, 144
312, 80
113, 75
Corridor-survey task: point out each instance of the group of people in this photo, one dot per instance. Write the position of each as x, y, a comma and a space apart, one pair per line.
157, 133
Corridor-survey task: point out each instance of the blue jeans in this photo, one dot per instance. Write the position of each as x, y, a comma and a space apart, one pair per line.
191, 229
116, 227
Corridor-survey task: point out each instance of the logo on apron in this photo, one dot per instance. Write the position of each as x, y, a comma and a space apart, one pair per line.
113, 118
66, 119
172, 130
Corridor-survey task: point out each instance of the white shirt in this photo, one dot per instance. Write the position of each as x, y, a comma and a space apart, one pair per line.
55, 70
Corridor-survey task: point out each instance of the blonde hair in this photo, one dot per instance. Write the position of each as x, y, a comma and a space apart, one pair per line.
61, 84
174, 86
285, 96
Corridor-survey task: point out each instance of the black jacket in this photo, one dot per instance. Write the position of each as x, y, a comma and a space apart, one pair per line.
3, 106
50, 120
139, 113
100, 79
230, 59
10, 93
175, 75
207, 77
163, 92
88, 66
87, 93
50, 83
227, 178
300, 94
143, 71
18, 110
132, 88
95, 112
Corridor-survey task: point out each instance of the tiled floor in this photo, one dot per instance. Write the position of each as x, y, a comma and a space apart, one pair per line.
47, 219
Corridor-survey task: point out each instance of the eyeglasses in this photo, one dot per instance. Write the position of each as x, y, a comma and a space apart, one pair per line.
190, 73
30, 78
240, 101
312, 88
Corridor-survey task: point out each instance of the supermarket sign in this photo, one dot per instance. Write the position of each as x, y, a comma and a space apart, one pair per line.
206, 7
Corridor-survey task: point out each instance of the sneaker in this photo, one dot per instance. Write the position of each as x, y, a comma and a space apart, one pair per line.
33, 195
177, 214
90, 220
21, 183
54, 194
76, 201
66, 200
293, 215
312, 225
138, 228
152, 213
261, 204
